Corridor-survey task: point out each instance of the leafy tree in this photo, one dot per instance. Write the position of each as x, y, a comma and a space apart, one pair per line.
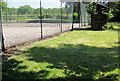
26, 9
12, 11
50, 12
37, 11
115, 12
4, 6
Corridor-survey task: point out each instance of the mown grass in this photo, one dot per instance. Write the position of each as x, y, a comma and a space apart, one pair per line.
114, 25
80, 54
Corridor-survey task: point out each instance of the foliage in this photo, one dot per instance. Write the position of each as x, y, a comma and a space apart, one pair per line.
112, 26
4, 6
37, 11
25, 10
12, 11
115, 11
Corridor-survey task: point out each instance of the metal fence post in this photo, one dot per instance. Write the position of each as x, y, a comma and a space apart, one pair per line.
72, 16
80, 16
84, 16
61, 16
41, 20
2, 48
79, 12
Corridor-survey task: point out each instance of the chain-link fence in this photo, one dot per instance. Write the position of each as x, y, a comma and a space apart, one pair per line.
51, 24
85, 17
24, 21
28, 20
21, 22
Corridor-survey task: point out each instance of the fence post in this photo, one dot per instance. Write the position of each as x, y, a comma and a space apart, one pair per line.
84, 16
61, 15
2, 48
41, 20
73, 16
81, 14
0, 32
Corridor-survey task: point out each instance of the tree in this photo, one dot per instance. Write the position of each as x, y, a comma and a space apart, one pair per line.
115, 12
12, 11
4, 6
37, 11
26, 9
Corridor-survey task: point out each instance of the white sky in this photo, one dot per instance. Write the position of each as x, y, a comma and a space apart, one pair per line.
34, 3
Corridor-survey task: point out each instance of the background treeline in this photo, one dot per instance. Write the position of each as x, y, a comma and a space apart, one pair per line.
26, 12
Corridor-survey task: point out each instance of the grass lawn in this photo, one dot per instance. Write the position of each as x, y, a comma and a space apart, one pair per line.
80, 54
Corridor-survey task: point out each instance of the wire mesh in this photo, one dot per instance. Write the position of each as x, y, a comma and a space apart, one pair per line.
21, 22
84, 15
67, 15
33, 20
51, 17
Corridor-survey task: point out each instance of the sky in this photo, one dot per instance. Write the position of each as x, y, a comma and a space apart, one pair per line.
34, 3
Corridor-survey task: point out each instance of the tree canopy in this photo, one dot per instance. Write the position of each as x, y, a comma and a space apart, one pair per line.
4, 6
26, 9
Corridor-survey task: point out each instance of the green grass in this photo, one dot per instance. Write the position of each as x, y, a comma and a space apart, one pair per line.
116, 25
74, 55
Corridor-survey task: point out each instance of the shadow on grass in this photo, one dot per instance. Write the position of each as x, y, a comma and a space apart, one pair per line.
114, 29
10, 73
87, 61
90, 29
82, 29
